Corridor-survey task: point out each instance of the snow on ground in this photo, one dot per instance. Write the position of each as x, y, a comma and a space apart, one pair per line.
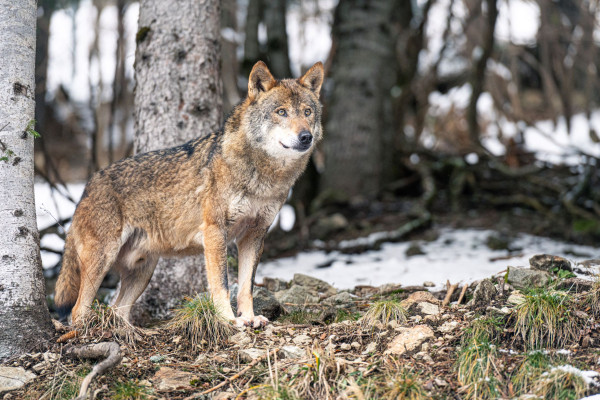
459, 255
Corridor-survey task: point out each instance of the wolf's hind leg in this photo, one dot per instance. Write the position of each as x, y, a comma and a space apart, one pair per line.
134, 281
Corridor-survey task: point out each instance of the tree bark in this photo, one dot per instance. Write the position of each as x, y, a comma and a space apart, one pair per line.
359, 108
251, 44
24, 317
178, 97
278, 56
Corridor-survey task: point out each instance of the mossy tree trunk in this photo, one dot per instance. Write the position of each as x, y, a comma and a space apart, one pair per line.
178, 97
24, 317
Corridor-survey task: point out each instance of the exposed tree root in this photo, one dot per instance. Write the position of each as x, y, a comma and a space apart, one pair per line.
110, 351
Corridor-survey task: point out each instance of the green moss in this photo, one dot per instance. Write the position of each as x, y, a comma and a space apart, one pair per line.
141, 34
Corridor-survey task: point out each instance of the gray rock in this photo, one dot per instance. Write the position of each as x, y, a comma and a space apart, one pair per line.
13, 378
157, 358
274, 284
292, 352
523, 278
515, 298
550, 263
302, 340
266, 304
428, 308
448, 326
371, 348
341, 300
576, 285
296, 297
249, 355
484, 292
314, 284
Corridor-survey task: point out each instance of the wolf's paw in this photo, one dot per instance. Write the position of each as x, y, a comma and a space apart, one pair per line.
258, 321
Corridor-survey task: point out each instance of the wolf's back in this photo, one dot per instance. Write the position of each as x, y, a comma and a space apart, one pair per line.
67, 285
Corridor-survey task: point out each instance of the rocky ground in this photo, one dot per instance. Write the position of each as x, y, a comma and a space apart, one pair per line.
321, 346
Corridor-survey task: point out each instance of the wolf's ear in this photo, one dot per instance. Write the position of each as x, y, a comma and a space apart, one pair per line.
313, 78
260, 80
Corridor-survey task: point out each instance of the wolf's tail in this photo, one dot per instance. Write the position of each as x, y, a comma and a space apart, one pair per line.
67, 285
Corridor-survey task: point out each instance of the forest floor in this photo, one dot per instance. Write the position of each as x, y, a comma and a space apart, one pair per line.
527, 333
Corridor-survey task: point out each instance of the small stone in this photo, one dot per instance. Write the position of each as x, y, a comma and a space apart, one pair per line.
241, 338
223, 395
575, 285
249, 355
292, 352
13, 378
341, 300
296, 297
167, 379
428, 284
274, 284
355, 345
302, 340
414, 250
440, 382
330, 224
515, 298
314, 284
484, 292
423, 356
39, 367
266, 304
428, 308
448, 326
227, 370
157, 358
419, 297
416, 318
345, 346
409, 339
523, 278
550, 263
371, 348
51, 357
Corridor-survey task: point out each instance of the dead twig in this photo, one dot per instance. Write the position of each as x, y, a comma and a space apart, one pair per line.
67, 336
234, 377
462, 293
110, 351
451, 289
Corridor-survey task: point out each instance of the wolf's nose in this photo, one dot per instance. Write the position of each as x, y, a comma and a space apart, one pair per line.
305, 138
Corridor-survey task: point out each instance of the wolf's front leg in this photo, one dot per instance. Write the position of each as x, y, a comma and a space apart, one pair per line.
215, 253
250, 248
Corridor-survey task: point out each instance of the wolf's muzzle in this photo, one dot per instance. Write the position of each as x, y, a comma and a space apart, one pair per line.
304, 141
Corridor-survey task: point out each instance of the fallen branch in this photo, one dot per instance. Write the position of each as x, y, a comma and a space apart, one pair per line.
234, 377
451, 289
67, 336
110, 351
462, 293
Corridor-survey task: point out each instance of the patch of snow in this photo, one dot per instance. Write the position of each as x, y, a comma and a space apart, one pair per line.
459, 255
587, 376
564, 352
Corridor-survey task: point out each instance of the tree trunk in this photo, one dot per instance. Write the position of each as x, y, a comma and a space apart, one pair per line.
251, 44
277, 40
178, 97
359, 116
24, 317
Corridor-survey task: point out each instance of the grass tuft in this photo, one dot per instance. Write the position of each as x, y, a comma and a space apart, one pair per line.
561, 383
201, 321
543, 319
534, 364
477, 371
384, 311
591, 299
483, 329
102, 320
316, 377
405, 385
131, 391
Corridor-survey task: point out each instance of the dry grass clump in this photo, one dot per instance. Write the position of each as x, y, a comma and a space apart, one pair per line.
384, 311
561, 383
544, 319
477, 372
405, 385
592, 299
315, 379
103, 320
201, 321
534, 364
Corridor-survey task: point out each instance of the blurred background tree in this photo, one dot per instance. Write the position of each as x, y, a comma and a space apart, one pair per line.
437, 110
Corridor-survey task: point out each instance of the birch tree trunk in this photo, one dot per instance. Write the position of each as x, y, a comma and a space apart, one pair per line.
178, 97
24, 317
359, 113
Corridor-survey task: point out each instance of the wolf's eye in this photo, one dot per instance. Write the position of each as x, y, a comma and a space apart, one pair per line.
307, 112
282, 112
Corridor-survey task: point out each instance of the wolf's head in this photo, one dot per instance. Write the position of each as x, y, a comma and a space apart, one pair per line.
284, 117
